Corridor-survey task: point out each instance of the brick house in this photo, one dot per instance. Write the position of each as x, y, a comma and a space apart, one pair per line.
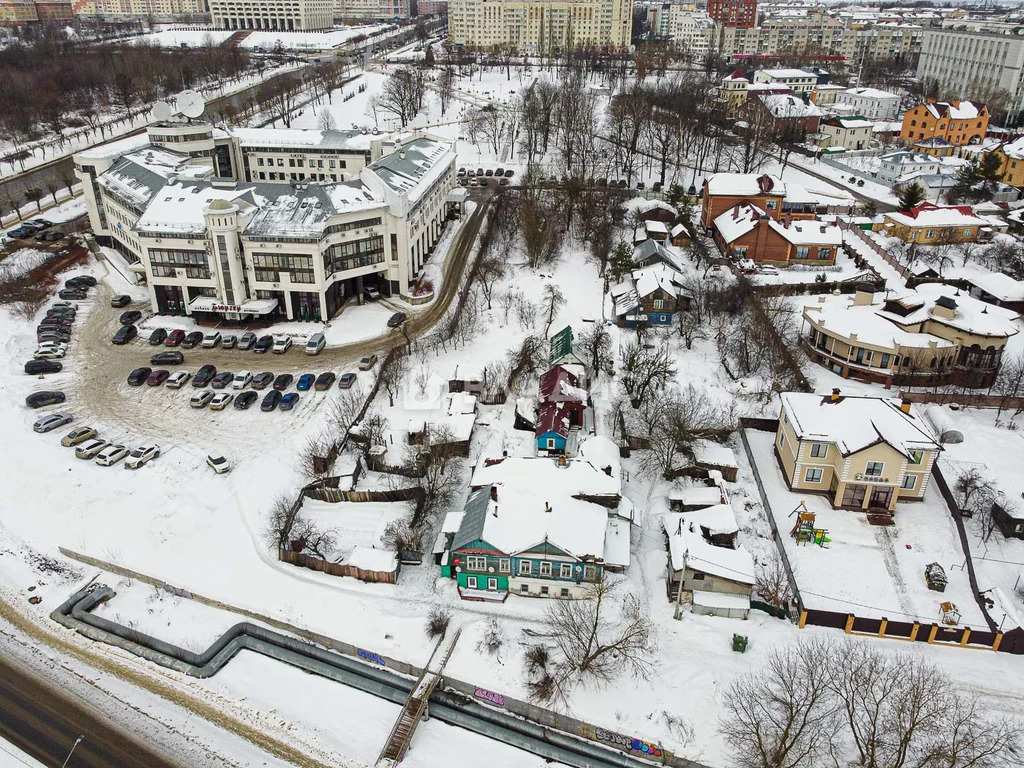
958, 122
748, 232
777, 198
789, 115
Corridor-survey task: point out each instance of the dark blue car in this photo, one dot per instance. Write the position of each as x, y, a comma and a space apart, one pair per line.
305, 382
288, 401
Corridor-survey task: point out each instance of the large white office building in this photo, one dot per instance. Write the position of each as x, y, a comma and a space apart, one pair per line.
276, 15
263, 222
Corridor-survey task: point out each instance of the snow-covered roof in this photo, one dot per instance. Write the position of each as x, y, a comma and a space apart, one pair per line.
113, 148
652, 249
719, 519
710, 452
738, 221
696, 495
306, 211
559, 384
854, 423
960, 110
657, 227
969, 314
413, 167
743, 218
1014, 149
849, 122
688, 549
787, 74
839, 316
301, 137
178, 207
601, 452
745, 184
371, 559
552, 418
870, 93
616, 542
997, 284
929, 215
784, 105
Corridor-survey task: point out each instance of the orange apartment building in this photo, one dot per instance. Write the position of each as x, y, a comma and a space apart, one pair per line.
958, 122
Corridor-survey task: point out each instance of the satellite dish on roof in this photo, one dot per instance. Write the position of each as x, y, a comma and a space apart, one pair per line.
162, 111
190, 104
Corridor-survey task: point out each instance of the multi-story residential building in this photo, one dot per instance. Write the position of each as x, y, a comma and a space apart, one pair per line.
1011, 154
384, 10
933, 335
853, 132
277, 15
432, 7
17, 12
112, 9
965, 62
896, 167
958, 122
733, 13
797, 80
688, 30
779, 199
871, 102
862, 452
213, 238
541, 26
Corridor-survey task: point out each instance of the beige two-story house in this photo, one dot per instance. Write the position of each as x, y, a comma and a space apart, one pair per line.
862, 452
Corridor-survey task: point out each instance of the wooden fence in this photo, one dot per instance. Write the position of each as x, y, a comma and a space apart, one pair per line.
966, 398
315, 563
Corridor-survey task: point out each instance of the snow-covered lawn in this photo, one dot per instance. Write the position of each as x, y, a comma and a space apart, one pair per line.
844, 269
195, 38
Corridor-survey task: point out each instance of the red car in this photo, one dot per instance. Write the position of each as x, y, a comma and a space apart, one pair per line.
158, 377
174, 338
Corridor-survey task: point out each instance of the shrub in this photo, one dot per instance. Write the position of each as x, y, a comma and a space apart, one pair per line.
437, 621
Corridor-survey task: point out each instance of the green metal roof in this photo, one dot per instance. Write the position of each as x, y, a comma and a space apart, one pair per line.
474, 514
561, 344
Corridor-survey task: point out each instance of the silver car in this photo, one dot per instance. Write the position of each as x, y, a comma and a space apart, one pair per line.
246, 340
51, 422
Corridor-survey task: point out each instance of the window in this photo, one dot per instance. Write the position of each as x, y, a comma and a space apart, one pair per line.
503, 565
259, 161
819, 450
564, 592
471, 582
525, 567
492, 583
874, 468
698, 576
565, 571
740, 251
476, 563
551, 443
659, 304
524, 588
544, 591
916, 457
812, 476
589, 573
545, 569
930, 234
885, 360
909, 483
771, 205
803, 252
824, 253
967, 232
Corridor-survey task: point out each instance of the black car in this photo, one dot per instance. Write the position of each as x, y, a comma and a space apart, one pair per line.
346, 380
78, 284
167, 358
245, 399
192, 339
35, 367
56, 314
263, 343
138, 377
396, 319
50, 237
86, 280
70, 294
157, 337
56, 327
283, 381
125, 334
21, 232
121, 300
222, 379
203, 376
53, 336
39, 399
261, 380
324, 381
270, 400
130, 317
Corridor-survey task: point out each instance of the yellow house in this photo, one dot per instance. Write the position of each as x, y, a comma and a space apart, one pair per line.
863, 452
928, 224
1012, 156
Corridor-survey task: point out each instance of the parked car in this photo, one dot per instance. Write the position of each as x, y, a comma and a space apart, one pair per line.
282, 344
474, 183
371, 293
479, 171
461, 172
242, 380
138, 377
77, 435
62, 321
324, 381
141, 455
746, 265
504, 182
245, 399
174, 357
263, 343
246, 340
178, 379
91, 449
211, 339
158, 337
289, 401
53, 336
484, 182
222, 379
130, 317
315, 343
72, 295
346, 380
500, 172
203, 376
228, 342
305, 381
55, 352
396, 319
51, 422
201, 399
174, 338
270, 400
120, 300
489, 172
19, 233
367, 362
767, 269
124, 334
221, 401
192, 339
42, 224
36, 367
50, 237
158, 377
283, 381
218, 463
262, 380
40, 399
509, 173
111, 455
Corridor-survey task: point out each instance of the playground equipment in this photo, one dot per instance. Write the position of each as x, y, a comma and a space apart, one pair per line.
804, 530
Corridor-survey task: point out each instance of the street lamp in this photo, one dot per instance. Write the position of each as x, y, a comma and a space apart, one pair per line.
73, 746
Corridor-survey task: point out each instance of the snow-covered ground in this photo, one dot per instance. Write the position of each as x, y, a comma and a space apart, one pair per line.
265, 40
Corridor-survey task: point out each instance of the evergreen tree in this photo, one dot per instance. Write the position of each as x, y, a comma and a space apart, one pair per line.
621, 262
675, 194
909, 196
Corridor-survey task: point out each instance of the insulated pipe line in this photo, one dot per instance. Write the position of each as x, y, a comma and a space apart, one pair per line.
457, 710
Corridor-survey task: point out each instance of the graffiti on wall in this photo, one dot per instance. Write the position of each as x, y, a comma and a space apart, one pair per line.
493, 698
625, 742
370, 656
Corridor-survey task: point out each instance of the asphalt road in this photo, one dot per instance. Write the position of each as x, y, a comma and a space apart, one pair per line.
44, 723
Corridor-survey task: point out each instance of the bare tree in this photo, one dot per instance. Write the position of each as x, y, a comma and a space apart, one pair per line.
325, 120
438, 462
553, 300
645, 371
974, 491
772, 581
344, 411
672, 421
488, 272
392, 376
595, 345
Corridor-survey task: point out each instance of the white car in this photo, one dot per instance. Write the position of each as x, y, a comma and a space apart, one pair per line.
218, 463
201, 399
177, 380
50, 351
315, 343
141, 455
746, 265
91, 449
51, 422
242, 380
111, 455
282, 344
221, 401
769, 270
211, 339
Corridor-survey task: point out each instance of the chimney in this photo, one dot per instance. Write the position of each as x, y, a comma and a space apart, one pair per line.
905, 406
864, 296
495, 512
608, 470
494, 493
547, 507
736, 211
834, 398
